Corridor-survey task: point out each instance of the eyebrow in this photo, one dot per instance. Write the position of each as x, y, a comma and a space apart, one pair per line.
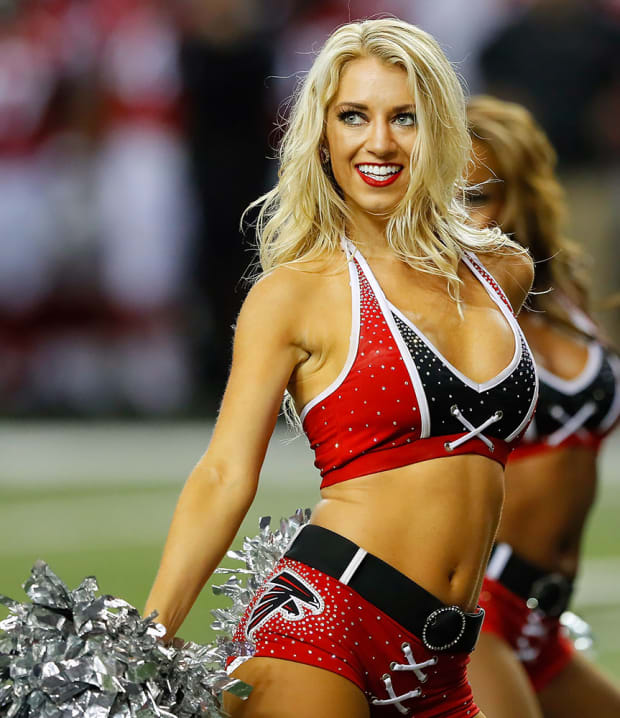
360, 106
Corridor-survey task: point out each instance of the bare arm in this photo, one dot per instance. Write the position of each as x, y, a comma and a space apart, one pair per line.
220, 489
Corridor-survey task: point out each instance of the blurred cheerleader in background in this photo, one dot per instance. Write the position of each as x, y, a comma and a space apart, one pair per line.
524, 666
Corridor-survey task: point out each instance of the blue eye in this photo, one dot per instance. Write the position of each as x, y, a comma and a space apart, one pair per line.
351, 117
405, 119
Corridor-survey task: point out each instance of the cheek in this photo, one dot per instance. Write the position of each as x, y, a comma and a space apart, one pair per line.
341, 146
409, 142
341, 150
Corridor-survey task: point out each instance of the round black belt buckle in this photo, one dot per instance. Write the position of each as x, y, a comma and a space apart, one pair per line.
550, 594
443, 628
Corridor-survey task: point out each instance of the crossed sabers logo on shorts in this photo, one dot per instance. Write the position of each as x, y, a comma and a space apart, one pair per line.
288, 594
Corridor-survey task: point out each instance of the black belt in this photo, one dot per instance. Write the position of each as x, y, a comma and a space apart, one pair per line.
440, 627
542, 590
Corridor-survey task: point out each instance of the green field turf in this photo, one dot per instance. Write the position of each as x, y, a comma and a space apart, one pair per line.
114, 529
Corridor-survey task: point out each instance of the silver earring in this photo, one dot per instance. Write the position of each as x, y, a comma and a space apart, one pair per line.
324, 154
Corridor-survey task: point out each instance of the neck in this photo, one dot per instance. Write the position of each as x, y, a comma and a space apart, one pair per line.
368, 232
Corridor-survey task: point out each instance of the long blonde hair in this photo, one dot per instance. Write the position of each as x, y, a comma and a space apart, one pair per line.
304, 216
534, 209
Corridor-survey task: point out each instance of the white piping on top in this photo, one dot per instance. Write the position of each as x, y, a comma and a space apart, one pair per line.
531, 434
497, 297
585, 376
425, 417
479, 387
512, 323
614, 410
476, 386
353, 339
572, 425
385, 307
527, 418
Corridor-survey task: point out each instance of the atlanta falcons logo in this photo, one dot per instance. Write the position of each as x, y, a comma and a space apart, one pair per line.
288, 594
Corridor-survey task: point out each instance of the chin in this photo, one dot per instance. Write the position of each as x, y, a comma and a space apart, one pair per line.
382, 208
375, 205
382, 212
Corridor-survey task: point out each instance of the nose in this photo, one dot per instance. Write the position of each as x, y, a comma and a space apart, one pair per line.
380, 141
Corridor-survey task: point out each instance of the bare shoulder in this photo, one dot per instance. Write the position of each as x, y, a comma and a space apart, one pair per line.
514, 272
295, 280
287, 294
272, 303
272, 287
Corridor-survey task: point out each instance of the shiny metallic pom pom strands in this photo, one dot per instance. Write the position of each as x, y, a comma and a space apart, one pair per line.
67, 654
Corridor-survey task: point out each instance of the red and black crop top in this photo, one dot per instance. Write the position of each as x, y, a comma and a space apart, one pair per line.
579, 411
398, 401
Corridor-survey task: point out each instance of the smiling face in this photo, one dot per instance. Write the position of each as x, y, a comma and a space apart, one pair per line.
370, 133
486, 202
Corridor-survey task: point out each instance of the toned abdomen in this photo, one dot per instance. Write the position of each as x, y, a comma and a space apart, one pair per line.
434, 521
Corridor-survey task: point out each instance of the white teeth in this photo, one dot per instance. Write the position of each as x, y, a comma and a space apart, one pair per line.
379, 171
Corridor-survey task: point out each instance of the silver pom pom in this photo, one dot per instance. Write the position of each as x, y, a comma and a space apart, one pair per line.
73, 653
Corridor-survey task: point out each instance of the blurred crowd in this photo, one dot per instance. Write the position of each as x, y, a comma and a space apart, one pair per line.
133, 133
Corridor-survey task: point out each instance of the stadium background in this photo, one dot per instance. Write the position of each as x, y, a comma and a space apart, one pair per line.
132, 135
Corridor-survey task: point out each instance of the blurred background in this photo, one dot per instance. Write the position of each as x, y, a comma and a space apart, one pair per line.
133, 133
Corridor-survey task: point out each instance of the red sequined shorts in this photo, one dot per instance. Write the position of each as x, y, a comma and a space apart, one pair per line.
539, 640
305, 615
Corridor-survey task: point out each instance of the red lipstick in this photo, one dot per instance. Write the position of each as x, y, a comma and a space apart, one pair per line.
372, 181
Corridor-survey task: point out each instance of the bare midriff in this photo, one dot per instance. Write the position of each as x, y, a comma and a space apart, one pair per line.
548, 497
434, 521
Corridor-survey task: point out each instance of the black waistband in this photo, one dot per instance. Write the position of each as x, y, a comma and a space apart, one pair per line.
546, 591
439, 626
